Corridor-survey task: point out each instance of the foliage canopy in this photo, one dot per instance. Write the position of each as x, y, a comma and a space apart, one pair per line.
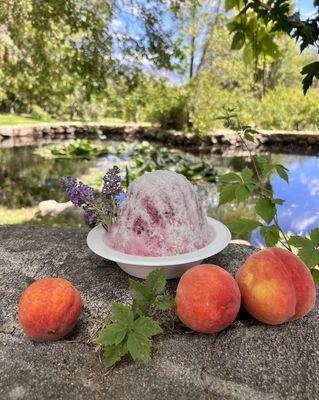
55, 51
169, 63
258, 22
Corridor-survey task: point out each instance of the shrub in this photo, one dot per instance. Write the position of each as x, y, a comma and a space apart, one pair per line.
38, 113
287, 108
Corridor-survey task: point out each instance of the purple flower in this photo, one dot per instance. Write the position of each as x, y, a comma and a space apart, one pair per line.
97, 207
81, 195
112, 187
78, 192
90, 215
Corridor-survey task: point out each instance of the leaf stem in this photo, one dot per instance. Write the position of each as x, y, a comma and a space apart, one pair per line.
287, 245
261, 185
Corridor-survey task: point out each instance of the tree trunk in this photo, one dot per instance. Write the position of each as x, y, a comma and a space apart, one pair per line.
193, 38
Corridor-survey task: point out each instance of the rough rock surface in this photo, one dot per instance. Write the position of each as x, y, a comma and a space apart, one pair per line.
247, 361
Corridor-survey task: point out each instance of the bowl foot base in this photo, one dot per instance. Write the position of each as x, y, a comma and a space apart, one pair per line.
172, 271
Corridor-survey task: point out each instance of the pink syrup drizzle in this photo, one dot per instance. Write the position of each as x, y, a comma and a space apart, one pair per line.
161, 215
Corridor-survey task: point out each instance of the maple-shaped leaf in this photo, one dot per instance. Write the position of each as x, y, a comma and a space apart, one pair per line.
308, 248
310, 71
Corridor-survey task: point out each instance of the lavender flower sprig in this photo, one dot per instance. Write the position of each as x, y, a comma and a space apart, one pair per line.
99, 207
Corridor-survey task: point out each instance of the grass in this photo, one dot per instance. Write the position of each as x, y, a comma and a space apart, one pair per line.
13, 119
119, 122
28, 215
16, 216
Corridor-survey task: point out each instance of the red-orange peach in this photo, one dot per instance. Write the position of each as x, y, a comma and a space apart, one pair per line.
207, 298
276, 286
49, 309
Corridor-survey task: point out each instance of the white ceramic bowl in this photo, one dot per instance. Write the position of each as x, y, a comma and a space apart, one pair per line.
175, 266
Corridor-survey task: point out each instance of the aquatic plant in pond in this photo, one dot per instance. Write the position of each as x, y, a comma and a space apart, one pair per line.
148, 157
141, 157
78, 148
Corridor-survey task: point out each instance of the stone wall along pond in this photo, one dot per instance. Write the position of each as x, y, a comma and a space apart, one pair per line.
218, 141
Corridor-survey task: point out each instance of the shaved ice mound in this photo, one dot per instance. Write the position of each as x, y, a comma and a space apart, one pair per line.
161, 215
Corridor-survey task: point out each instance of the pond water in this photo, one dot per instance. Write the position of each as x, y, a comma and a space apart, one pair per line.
26, 178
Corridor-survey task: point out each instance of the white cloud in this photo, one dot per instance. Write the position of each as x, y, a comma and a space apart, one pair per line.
117, 23
312, 184
300, 225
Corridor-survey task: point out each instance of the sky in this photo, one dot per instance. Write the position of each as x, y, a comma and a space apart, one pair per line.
305, 7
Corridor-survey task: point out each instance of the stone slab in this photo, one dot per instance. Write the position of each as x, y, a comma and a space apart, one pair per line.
249, 360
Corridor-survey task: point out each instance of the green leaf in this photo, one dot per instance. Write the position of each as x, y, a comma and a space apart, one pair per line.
270, 234
147, 326
249, 137
282, 172
266, 167
279, 201
238, 41
315, 275
298, 241
269, 46
249, 129
112, 334
266, 209
142, 296
314, 236
232, 26
165, 303
229, 4
122, 314
114, 353
139, 346
308, 250
156, 280
243, 225
242, 193
230, 177
310, 256
247, 174
310, 71
227, 194
251, 187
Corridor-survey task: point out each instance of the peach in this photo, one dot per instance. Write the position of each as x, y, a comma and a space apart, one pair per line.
276, 286
49, 309
207, 298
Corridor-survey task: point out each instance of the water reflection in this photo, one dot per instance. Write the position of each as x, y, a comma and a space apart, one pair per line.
26, 179
300, 213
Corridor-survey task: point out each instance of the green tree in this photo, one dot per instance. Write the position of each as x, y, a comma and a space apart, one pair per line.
256, 24
55, 52
273, 101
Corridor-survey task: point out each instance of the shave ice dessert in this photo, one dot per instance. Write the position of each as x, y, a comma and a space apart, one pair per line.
161, 215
